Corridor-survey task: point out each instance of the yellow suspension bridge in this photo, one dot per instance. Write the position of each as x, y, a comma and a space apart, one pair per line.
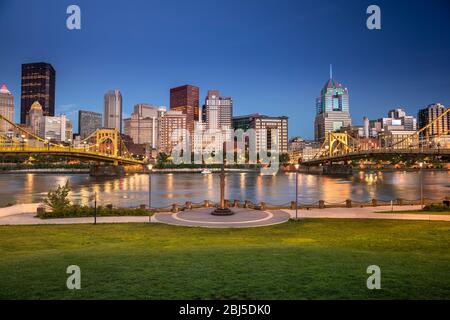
341, 147
103, 145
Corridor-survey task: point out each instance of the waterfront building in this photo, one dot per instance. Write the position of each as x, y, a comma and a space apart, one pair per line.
172, 130
431, 113
332, 109
88, 122
38, 84
6, 108
55, 128
143, 124
113, 110
186, 99
69, 131
217, 111
268, 131
399, 139
35, 119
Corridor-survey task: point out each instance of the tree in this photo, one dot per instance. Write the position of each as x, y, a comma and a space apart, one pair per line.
57, 199
284, 158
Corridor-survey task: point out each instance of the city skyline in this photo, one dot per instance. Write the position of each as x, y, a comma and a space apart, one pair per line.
285, 79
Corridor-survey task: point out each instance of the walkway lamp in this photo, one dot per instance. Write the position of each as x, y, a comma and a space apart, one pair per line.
150, 167
296, 190
421, 185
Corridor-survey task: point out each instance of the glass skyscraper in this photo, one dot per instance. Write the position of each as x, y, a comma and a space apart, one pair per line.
332, 109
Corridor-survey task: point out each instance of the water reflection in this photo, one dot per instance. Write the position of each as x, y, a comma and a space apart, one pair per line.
132, 190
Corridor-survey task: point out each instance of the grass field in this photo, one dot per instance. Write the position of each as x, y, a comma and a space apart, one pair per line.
310, 259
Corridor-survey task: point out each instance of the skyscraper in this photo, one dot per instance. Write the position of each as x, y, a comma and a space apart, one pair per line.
88, 122
431, 113
38, 84
6, 108
186, 100
172, 125
143, 125
271, 132
217, 111
35, 119
332, 109
113, 110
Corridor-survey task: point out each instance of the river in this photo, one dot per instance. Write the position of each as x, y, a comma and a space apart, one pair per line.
132, 190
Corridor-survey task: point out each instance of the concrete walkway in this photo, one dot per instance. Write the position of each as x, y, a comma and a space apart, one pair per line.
245, 218
368, 213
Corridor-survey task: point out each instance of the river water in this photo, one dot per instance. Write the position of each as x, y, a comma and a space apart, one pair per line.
132, 190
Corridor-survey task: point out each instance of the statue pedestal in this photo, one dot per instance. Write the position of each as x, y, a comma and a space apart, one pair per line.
222, 212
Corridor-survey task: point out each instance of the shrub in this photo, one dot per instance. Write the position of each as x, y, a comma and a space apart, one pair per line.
57, 199
436, 208
78, 211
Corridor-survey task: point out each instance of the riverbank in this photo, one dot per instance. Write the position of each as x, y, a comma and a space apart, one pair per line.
48, 170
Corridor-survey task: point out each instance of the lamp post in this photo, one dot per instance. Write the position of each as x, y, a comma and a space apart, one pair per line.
421, 185
150, 167
296, 191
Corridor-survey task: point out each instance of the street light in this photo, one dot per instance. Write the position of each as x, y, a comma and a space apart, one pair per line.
150, 167
421, 185
296, 190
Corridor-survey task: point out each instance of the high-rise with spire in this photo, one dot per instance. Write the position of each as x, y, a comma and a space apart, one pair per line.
332, 108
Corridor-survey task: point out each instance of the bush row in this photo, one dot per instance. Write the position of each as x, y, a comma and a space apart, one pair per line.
85, 211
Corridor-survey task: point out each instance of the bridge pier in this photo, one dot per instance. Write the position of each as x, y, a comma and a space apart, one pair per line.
106, 170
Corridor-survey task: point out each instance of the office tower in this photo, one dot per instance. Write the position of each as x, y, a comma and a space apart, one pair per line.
113, 110
35, 119
366, 127
217, 111
431, 113
264, 126
143, 124
186, 100
38, 84
6, 108
332, 109
55, 128
172, 129
88, 122
69, 131
398, 116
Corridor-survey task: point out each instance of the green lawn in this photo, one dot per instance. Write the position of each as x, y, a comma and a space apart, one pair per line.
310, 259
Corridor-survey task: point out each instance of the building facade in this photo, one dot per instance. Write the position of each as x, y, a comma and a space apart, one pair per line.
217, 112
88, 122
6, 108
38, 84
55, 128
35, 119
332, 109
271, 132
143, 125
431, 113
113, 110
186, 99
172, 130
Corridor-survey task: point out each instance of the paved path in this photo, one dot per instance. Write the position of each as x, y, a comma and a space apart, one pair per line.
18, 209
243, 218
368, 213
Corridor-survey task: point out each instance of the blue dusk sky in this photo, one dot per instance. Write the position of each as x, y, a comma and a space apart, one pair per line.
270, 56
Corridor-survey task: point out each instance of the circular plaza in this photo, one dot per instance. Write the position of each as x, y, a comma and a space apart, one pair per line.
242, 218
